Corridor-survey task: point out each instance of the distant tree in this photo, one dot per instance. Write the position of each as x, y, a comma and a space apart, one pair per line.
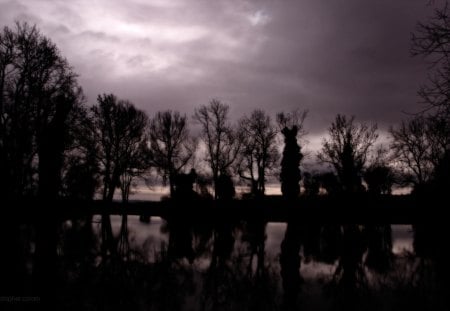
259, 153
379, 179
347, 150
225, 187
80, 180
411, 149
291, 125
171, 147
184, 186
330, 183
122, 144
221, 140
311, 183
419, 145
379, 176
38, 96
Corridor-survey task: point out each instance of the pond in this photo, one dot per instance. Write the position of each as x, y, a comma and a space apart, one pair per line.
192, 265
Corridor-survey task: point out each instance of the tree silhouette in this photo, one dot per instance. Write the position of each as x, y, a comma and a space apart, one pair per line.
120, 134
311, 183
423, 143
290, 164
347, 150
171, 148
81, 168
258, 153
222, 143
379, 179
80, 181
411, 148
224, 187
379, 176
184, 186
330, 183
431, 40
291, 126
38, 96
119, 130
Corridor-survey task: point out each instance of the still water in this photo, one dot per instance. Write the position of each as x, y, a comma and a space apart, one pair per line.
144, 233
180, 265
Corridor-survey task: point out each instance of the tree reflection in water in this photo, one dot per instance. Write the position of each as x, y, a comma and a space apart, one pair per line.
230, 266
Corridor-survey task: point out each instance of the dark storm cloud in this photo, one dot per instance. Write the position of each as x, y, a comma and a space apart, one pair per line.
330, 57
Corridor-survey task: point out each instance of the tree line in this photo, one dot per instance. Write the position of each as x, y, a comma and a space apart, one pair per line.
53, 144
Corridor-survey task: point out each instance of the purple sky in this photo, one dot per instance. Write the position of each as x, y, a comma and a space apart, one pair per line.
340, 56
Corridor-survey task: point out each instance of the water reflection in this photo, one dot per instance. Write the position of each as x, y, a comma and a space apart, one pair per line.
184, 264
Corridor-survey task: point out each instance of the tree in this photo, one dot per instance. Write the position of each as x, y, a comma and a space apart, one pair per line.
119, 130
347, 150
311, 183
171, 147
330, 183
379, 176
81, 167
38, 96
121, 141
221, 141
294, 118
411, 150
419, 146
438, 135
259, 153
290, 164
291, 126
432, 40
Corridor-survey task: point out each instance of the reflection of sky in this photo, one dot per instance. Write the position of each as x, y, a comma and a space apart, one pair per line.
275, 235
402, 238
140, 233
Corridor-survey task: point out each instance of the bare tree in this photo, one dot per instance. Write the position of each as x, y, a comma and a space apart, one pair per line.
120, 133
81, 167
119, 130
438, 134
347, 150
419, 145
38, 96
171, 146
222, 143
259, 152
432, 40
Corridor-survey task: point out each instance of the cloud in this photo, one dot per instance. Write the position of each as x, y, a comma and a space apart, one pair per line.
348, 57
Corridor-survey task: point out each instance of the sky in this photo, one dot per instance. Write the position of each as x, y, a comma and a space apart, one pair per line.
341, 56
